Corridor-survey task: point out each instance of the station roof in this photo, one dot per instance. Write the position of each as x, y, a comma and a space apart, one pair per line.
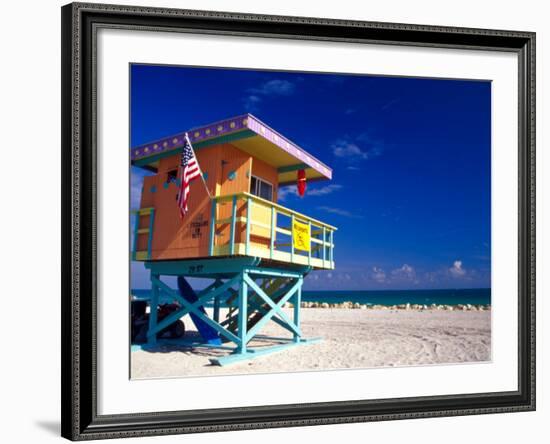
245, 132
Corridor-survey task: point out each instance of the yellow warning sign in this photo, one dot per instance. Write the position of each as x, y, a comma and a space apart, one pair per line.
300, 236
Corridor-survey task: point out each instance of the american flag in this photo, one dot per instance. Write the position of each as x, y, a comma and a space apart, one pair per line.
190, 170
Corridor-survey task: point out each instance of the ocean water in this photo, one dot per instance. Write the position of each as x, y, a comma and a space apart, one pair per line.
474, 296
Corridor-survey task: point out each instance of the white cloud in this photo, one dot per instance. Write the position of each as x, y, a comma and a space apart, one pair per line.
251, 103
456, 270
275, 87
339, 212
378, 275
344, 148
284, 192
446, 275
404, 272
323, 191
291, 190
362, 147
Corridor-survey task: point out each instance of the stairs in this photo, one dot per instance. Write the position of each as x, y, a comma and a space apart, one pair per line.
274, 288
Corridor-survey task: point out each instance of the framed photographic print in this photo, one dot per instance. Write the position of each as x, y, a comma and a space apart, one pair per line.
279, 221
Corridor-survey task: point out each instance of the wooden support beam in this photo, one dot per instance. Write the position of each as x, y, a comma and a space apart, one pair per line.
194, 307
275, 308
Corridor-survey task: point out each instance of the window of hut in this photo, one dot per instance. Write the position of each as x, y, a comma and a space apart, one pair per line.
172, 176
261, 188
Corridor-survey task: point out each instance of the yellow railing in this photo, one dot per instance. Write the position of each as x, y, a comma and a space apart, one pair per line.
146, 254
262, 220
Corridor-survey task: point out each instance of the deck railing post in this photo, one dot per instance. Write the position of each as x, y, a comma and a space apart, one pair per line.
292, 238
212, 227
232, 231
309, 250
331, 248
324, 245
248, 217
272, 242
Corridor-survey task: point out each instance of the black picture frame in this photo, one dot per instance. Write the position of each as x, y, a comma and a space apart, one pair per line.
79, 170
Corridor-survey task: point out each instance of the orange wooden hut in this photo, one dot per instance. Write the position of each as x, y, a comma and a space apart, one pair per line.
234, 226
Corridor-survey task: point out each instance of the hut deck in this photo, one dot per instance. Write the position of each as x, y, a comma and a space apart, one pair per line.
261, 229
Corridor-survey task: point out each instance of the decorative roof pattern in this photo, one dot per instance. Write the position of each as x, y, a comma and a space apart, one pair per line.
224, 128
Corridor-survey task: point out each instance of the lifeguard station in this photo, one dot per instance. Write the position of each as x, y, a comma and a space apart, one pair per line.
255, 252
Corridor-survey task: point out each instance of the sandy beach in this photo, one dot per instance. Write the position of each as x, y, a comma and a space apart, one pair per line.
350, 339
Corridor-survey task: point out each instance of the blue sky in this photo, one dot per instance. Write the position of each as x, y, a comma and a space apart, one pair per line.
411, 160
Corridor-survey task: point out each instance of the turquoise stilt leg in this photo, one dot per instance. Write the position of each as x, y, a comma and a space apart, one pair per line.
216, 313
151, 332
243, 317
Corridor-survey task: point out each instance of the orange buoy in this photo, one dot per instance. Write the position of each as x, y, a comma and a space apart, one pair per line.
301, 182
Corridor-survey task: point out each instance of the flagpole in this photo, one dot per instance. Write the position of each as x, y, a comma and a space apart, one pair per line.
198, 164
